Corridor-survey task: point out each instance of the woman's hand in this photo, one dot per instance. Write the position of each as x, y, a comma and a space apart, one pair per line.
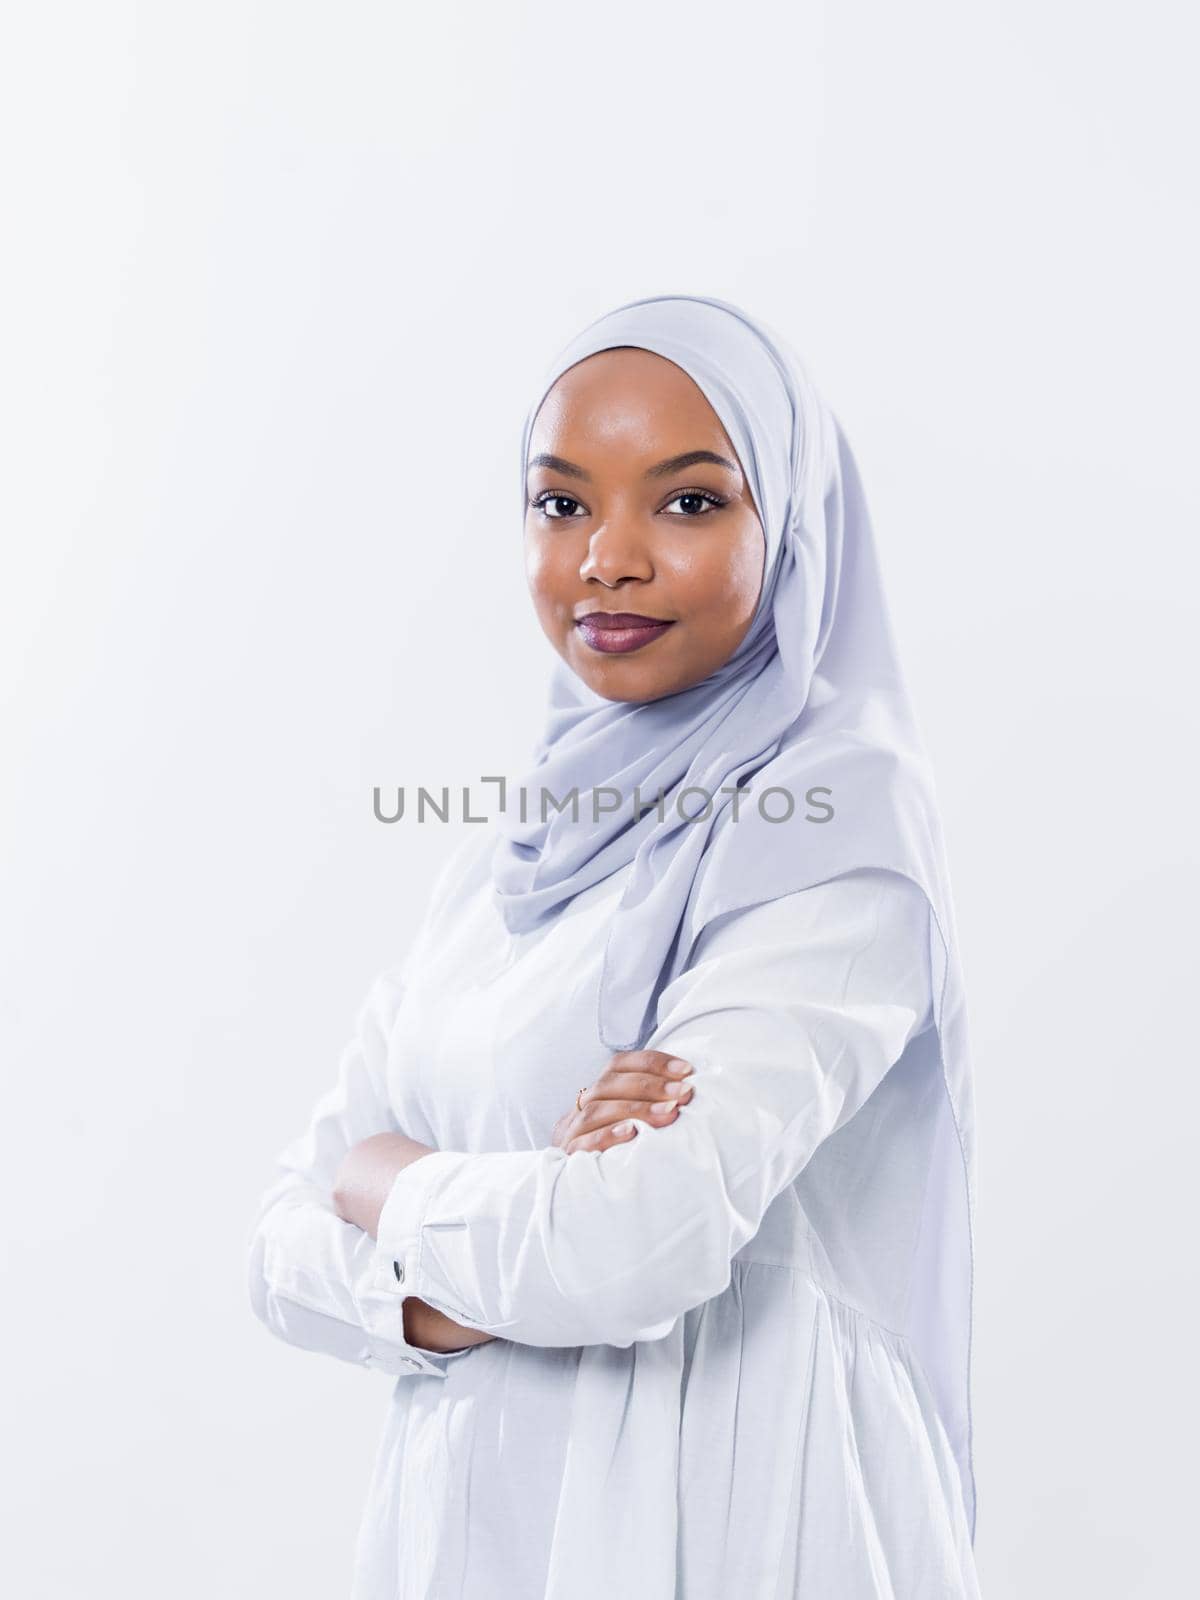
636, 1083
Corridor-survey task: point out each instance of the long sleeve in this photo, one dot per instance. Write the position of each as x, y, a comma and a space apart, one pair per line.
311, 1274
790, 1013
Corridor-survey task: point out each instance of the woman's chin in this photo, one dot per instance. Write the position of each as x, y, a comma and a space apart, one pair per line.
622, 676
619, 678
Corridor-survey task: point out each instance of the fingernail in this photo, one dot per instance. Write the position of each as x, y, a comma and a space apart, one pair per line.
624, 1127
677, 1068
663, 1105
684, 1084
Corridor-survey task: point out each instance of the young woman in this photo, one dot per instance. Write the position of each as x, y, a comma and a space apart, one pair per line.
649, 1172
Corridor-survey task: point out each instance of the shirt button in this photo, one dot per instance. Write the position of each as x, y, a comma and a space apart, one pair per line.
399, 1271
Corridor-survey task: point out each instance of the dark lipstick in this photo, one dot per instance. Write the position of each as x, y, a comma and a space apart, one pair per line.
618, 632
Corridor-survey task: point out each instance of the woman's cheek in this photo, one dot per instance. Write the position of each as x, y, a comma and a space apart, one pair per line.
540, 575
739, 583
535, 559
550, 587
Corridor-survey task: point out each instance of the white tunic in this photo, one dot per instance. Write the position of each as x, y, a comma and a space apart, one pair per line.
696, 1391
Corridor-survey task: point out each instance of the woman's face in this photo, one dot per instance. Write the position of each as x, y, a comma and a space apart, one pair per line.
624, 521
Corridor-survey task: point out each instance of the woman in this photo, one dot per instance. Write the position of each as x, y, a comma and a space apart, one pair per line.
649, 1172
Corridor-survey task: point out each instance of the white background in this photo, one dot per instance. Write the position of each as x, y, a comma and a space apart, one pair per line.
279, 281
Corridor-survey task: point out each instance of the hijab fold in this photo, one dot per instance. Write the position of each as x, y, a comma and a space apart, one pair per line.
813, 701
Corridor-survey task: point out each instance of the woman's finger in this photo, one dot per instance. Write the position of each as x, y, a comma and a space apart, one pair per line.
660, 1062
606, 1113
620, 1133
635, 1086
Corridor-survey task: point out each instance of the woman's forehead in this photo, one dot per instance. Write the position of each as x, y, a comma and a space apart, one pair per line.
631, 399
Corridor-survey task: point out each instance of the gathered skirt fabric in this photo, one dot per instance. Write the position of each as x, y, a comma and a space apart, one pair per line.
782, 1444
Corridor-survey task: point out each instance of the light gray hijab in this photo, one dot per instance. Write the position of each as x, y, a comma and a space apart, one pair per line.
813, 699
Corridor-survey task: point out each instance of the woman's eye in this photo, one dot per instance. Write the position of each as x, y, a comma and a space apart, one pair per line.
700, 497
544, 502
696, 502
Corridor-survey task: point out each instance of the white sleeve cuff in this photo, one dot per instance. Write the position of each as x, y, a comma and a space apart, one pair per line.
396, 1274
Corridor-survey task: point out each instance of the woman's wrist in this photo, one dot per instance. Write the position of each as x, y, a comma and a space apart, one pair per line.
364, 1181
367, 1173
430, 1329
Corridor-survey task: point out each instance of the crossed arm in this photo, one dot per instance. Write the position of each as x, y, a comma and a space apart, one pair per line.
637, 1086
790, 1014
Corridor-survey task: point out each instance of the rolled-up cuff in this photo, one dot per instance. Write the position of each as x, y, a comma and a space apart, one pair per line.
396, 1274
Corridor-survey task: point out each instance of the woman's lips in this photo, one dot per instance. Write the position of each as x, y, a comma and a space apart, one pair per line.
616, 633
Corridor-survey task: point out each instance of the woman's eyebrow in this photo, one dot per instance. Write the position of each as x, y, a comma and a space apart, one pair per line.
689, 458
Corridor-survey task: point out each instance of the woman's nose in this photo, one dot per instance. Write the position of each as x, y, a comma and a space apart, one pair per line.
614, 552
